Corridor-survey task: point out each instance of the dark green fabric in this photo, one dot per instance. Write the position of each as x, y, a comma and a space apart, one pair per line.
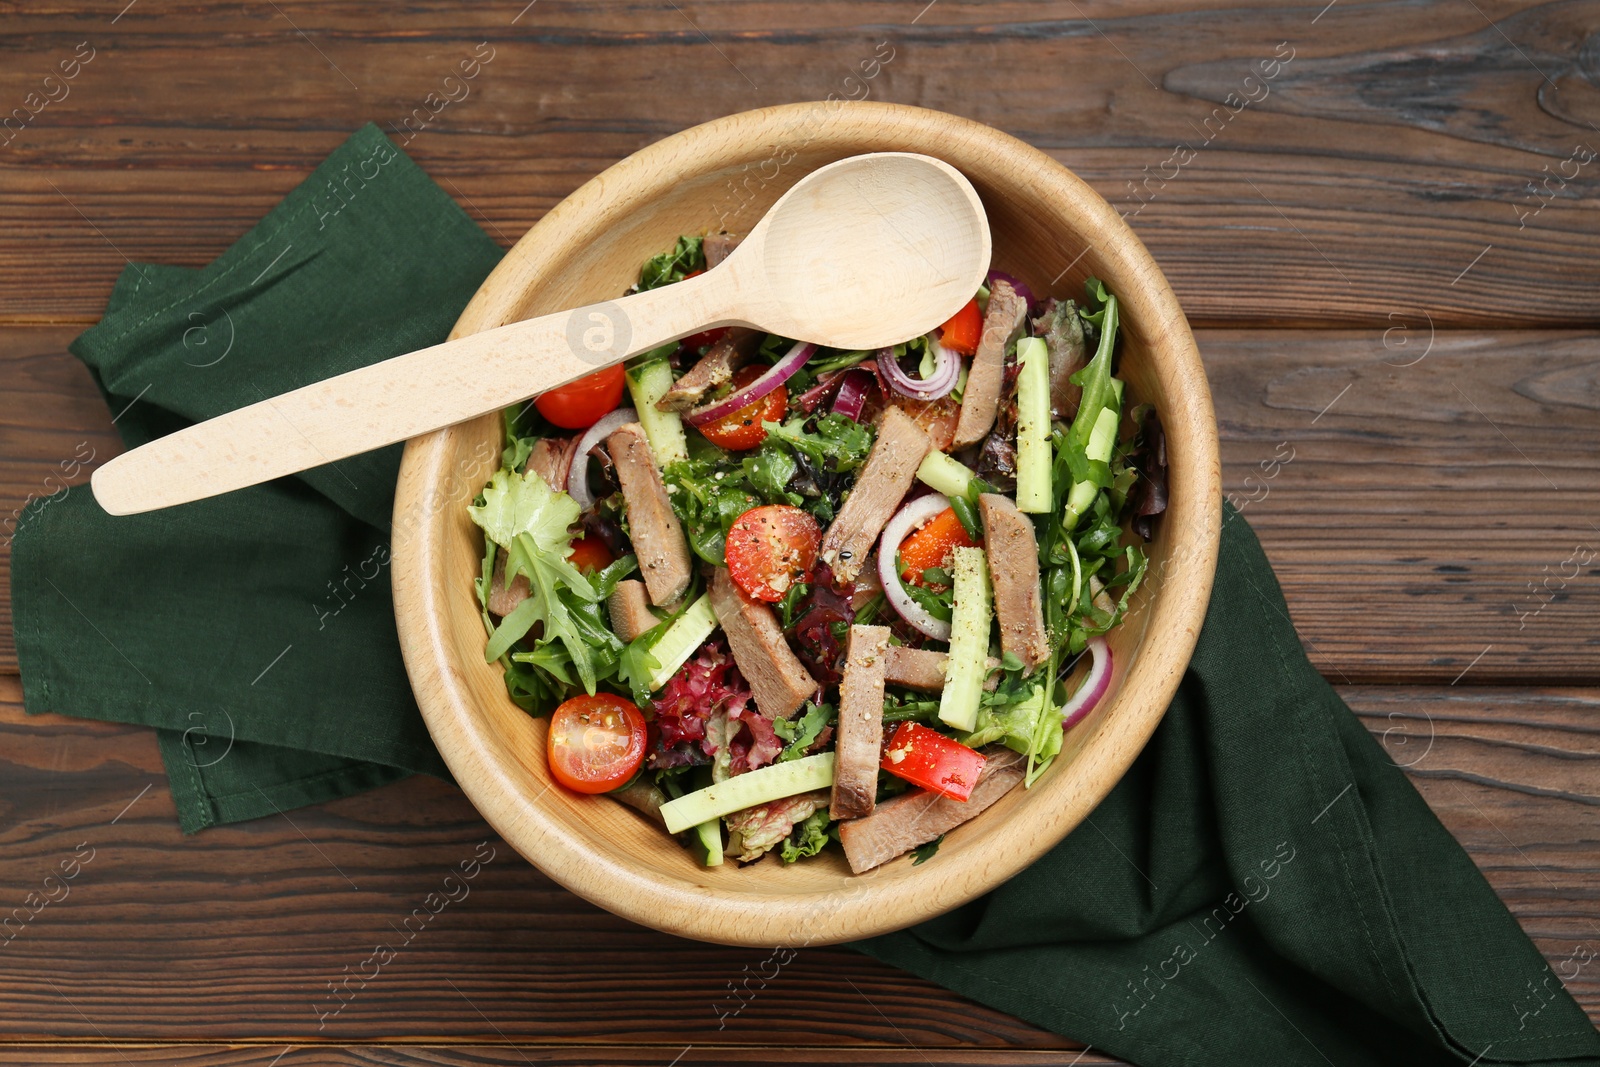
1357, 932
256, 629
1263, 887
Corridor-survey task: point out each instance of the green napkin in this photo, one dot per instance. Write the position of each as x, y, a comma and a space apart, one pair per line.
254, 630
1264, 886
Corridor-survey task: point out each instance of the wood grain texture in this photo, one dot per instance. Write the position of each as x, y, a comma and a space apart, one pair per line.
234, 934
1401, 500
1409, 170
516, 1055
238, 932
1303, 198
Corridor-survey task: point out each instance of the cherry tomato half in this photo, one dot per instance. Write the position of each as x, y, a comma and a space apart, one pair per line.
925, 757
932, 544
961, 333
770, 549
591, 554
742, 429
596, 743
579, 405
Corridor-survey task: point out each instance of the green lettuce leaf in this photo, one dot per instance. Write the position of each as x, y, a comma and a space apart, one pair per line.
807, 838
532, 523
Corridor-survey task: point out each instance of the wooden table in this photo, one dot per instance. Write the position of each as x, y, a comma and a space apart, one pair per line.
1388, 247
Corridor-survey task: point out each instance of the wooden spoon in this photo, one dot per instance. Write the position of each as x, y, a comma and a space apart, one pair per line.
863, 253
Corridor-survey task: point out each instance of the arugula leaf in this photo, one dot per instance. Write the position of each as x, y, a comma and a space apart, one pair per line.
868, 612
686, 256
637, 664
802, 731
904, 707
1095, 377
531, 688
789, 606
708, 494
532, 523
839, 443
940, 605
924, 853
769, 472
827, 360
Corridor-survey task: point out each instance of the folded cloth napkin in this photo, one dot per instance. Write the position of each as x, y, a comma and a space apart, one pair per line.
254, 630
1264, 886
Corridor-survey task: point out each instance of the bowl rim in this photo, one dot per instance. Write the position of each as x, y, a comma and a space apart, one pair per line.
714, 912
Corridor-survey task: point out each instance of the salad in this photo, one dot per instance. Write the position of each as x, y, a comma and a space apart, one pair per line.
778, 596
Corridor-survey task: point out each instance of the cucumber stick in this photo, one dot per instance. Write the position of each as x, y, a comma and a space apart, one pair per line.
949, 476
648, 383
678, 642
772, 782
707, 842
968, 661
1034, 458
1102, 442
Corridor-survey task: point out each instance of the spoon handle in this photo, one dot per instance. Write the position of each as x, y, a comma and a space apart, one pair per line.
402, 397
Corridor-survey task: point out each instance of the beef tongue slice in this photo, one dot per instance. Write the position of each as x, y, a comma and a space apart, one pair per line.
1002, 325
885, 479
858, 741
778, 680
901, 823
657, 536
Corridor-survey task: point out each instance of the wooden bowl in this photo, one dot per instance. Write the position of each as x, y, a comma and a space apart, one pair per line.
1051, 230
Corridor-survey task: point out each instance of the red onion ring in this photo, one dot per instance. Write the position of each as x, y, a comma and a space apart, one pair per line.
1021, 288
947, 368
775, 376
913, 515
852, 394
1094, 686
812, 398
578, 474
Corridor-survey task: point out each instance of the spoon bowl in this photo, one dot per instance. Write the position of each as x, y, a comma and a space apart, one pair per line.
869, 251
866, 252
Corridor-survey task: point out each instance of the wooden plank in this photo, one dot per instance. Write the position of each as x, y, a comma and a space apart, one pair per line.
1384, 493
260, 918
510, 1055
1514, 774
1428, 505
1317, 203
235, 933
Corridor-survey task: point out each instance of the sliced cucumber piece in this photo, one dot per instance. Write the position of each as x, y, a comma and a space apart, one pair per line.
1034, 457
678, 642
707, 842
1102, 439
967, 664
949, 476
772, 782
649, 382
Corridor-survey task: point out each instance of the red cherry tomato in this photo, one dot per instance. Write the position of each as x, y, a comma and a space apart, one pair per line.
932, 544
596, 743
579, 405
770, 549
961, 333
927, 758
591, 554
742, 429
